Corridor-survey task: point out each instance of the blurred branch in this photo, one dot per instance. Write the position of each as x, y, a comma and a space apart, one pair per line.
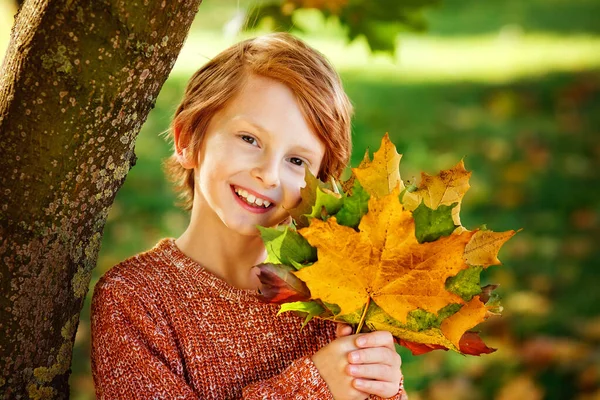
379, 21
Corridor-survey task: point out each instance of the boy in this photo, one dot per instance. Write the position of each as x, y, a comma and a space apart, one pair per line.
181, 320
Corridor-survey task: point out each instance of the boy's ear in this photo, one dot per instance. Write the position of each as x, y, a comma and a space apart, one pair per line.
185, 159
181, 152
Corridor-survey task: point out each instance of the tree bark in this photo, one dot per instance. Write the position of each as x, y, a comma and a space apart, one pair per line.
76, 85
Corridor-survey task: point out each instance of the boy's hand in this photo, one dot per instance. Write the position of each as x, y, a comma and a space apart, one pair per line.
355, 366
343, 330
376, 366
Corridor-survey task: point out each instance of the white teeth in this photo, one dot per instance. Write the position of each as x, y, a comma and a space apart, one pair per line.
252, 199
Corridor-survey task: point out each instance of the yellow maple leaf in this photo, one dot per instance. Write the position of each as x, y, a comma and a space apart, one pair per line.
446, 188
382, 175
466, 318
380, 277
347, 185
378, 320
383, 262
484, 246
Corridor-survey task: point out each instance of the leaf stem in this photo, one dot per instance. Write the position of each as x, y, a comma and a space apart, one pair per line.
364, 314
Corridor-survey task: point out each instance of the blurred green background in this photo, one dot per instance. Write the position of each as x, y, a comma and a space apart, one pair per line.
511, 86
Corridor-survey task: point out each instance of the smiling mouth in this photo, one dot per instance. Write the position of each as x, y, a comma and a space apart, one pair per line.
251, 199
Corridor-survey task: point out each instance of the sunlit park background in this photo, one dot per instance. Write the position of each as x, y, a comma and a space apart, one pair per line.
511, 86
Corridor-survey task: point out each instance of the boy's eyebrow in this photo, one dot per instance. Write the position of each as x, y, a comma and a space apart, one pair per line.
261, 128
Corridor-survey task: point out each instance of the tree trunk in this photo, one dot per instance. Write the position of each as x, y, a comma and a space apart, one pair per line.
76, 85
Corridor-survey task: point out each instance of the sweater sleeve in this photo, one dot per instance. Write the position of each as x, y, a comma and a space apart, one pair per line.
133, 356
301, 380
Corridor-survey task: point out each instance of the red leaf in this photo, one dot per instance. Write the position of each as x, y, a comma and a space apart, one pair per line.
470, 343
279, 285
420, 348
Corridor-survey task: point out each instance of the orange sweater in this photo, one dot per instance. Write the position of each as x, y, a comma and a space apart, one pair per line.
165, 328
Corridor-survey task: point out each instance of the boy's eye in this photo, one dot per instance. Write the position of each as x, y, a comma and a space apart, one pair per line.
297, 161
248, 139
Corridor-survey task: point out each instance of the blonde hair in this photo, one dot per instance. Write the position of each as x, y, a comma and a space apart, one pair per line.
286, 59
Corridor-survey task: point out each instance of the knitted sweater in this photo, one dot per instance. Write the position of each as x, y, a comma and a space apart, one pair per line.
163, 327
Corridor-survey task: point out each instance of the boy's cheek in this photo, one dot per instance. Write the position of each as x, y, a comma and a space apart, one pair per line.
296, 198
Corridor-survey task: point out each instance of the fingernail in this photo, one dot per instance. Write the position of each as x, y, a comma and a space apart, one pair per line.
352, 370
353, 357
359, 383
361, 341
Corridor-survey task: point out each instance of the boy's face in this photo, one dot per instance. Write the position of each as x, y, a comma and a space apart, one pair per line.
252, 161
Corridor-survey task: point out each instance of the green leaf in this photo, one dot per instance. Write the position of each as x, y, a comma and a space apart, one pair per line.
491, 299
419, 320
430, 225
466, 283
494, 304
310, 308
333, 313
272, 259
309, 199
299, 266
285, 245
408, 189
334, 308
354, 206
377, 320
325, 199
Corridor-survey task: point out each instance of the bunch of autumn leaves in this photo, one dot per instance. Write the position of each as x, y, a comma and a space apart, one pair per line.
378, 255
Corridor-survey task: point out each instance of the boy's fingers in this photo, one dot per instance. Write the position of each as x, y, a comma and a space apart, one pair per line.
375, 355
378, 388
376, 339
378, 372
342, 330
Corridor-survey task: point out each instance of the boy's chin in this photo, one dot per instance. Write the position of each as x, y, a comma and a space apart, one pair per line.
245, 229
249, 229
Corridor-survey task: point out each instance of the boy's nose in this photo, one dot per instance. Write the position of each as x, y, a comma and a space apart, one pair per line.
267, 173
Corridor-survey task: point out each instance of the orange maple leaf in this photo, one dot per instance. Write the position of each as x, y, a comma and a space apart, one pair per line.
384, 263
393, 273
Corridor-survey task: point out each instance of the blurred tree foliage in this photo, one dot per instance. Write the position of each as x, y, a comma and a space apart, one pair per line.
379, 21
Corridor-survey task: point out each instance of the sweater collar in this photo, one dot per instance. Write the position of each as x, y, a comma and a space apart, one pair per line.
169, 250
